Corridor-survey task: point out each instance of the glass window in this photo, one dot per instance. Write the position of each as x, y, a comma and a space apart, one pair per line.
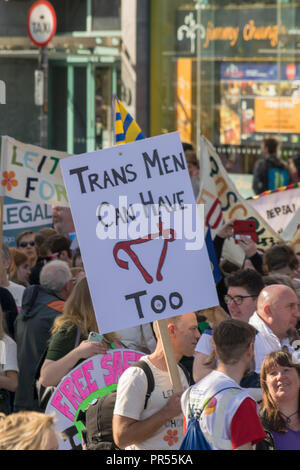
106, 15
58, 108
71, 15
228, 70
80, 110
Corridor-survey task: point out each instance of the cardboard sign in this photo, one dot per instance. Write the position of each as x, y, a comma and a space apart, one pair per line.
93, 378
19, 216
139, 232
223, 202
31, 173
278, 208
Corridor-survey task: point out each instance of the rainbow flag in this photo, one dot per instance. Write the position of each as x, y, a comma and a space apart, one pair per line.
126, 128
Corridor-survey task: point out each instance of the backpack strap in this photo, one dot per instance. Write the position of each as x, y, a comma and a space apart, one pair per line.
150, 379
186, 372
218, 425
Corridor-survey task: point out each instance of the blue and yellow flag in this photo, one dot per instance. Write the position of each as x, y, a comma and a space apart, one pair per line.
126, 128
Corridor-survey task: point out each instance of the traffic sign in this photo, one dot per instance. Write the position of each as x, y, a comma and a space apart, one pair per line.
41, 23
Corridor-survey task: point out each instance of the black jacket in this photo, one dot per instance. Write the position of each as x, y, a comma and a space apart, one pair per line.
10, 311
40, 307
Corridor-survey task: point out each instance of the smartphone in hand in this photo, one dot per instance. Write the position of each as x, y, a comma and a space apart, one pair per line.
95, 337
246, 228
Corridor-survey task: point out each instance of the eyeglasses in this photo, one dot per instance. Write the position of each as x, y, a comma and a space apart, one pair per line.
24, 244
238, 299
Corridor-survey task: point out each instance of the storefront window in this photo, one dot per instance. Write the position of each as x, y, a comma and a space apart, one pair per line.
227, 70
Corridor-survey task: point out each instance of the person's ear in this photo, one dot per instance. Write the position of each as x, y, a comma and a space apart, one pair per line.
268, 311
171, 328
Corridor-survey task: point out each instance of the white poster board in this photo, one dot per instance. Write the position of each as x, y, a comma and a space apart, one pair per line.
278, 208
31, 173
140, 266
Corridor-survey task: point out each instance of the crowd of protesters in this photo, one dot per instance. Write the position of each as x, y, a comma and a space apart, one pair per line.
237, 361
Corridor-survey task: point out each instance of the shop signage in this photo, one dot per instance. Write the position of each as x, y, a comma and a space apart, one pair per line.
230, 32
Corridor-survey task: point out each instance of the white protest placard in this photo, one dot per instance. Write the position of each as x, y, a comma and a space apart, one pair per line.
31, 173
278, 208
139, 232
91, 379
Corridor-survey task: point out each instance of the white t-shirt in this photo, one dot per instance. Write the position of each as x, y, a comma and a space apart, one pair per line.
8, 355
17, 292
131, 392
204, 344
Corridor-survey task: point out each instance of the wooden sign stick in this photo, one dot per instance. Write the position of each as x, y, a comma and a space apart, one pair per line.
169, 356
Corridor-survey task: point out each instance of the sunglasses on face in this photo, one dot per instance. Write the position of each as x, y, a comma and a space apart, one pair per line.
24, 244
238, 299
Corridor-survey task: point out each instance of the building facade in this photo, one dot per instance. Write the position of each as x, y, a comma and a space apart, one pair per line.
228, 70
82, 71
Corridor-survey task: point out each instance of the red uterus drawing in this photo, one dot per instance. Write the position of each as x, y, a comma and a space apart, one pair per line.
169, 236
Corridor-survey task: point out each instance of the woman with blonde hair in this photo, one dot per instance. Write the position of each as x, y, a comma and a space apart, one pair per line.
9, 371
280, 411
68, 344
27, 430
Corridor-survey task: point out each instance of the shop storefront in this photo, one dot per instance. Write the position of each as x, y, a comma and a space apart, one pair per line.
227, 70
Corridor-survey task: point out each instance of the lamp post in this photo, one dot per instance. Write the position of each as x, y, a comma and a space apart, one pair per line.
199, 5
41, 27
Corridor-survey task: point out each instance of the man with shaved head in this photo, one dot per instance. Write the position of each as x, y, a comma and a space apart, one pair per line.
276, 316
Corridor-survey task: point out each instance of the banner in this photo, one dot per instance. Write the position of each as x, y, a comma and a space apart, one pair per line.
93, 378
223, 202
19, 216
139, 232
278, 207
31, 173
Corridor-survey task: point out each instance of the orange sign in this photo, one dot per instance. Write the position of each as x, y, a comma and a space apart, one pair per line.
184, 99
277, 114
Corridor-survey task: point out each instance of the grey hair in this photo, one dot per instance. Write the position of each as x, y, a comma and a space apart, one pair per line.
55, 275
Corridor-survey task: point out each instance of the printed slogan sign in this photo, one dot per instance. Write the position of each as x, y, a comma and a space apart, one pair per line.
139, 232
93, 378
223, 202
278, 208
31, 173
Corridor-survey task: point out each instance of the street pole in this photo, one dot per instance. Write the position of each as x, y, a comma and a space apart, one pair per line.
44, 107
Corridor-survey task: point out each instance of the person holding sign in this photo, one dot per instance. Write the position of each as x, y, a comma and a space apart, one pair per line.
160, 424
63, 355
